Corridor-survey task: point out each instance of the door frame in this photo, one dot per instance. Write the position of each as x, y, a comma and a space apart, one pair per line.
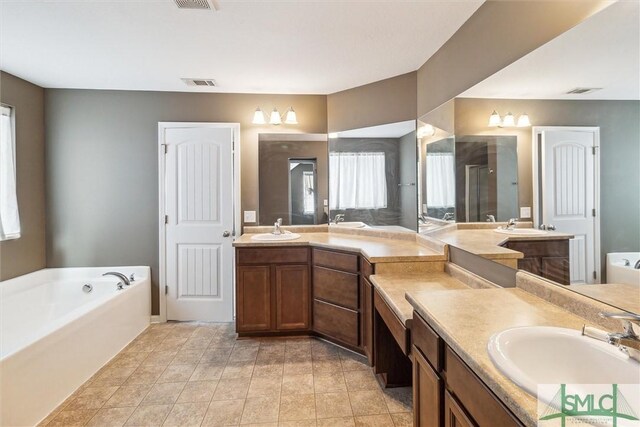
235, 161
535, 149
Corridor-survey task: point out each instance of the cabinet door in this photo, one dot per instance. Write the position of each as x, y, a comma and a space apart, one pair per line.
556, 269
454, 415
532, 265
366, 301
427, 393
254, 298
292, 297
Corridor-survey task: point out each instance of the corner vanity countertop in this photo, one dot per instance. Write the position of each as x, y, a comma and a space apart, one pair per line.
466, 319
375, 249
393, 288
486, 242
626, 297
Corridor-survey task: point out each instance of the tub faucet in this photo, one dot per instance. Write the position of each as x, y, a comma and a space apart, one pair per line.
448, 216
120, 276
276, 227
491, 218
338, 218
637, 265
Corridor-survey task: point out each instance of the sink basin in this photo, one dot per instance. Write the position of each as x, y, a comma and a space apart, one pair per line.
521, 231
529, 356
268, 237
352, 224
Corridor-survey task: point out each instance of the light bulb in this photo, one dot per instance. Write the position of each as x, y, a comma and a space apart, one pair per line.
494, 119
523, 121
275, 117
291, 118
509, 120
258, 117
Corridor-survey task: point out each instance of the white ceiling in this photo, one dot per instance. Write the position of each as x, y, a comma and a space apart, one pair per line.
304, 46
392, 130
601, 52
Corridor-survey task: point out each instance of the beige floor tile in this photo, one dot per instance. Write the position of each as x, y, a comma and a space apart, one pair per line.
331, 405
231, 389
113, 376
207, 372
70, 418
171, 344
398, 399
187, 414
163, 394
223, 412
367, 403
382, 420
353, 362
264, 386
177, 373
336, 422
244, 353
298, 423
297, 384
329, 383
297, 407
91, 398
361, 380
147, 374
198, 391
268, 369
403, 420
297, 367
326, 366
216, 355
161, 358
149, 416
129, 359
111, 417
260, 410
197, 342
128, 395
238, 369
188, 356
267, 358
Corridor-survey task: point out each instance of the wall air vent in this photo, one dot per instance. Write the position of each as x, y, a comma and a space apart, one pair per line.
193, 4
583, 90
200, 82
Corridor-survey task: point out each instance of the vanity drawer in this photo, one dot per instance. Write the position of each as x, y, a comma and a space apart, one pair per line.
336, 322
336, 287
336, 260
253, 256
475, 397
366, 268
427, 341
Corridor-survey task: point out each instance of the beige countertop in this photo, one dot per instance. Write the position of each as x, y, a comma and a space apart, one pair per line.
467, 319
393, 288
486, 242
375, 249
624, 297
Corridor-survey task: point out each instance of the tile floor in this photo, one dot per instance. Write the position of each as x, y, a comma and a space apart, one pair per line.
199, 374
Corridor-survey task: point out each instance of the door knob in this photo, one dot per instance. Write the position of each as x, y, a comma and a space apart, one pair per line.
226, 234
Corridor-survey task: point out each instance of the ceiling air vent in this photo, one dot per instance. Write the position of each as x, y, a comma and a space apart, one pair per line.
200, 82
583, 90
193, 4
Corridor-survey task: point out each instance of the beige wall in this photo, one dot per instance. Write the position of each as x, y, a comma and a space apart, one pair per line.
387, 101
497, 34
27, 253
102, 172
619, 154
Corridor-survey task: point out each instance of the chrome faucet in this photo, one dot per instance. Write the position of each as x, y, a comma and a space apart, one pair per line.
120, 276
448, 216
338, 218
637, 265
491, 218
511, 224
276, 227
628, 340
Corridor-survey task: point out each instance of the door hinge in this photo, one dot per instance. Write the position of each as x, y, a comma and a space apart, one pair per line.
166, 219
166, 289
593, 150
593, 212
164, 148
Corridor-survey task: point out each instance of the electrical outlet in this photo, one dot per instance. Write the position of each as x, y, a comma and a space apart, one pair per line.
249, 216
525, 212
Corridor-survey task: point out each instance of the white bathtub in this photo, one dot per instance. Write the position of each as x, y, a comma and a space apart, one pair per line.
618, 272
54, 336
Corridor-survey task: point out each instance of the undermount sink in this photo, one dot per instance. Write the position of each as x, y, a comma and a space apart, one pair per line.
534, 355
521, 231
269, 237
350, 224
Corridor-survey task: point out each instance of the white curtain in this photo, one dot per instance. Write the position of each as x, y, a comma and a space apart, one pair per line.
440, 180
9, 219
309, 193
357, 181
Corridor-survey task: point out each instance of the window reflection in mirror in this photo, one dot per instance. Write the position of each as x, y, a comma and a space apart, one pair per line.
372, 177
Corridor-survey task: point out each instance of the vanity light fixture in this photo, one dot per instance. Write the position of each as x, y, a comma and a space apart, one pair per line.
426, 130
509, 120
275, 118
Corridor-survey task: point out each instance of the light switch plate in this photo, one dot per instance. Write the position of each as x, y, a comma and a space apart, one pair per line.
249, 216
525, 212
326, 202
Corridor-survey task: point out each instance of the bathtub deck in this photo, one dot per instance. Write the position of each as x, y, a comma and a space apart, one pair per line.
200, 374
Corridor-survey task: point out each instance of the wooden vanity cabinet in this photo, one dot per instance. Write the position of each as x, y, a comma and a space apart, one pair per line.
367, 311
446, 390
545, 258
273, 290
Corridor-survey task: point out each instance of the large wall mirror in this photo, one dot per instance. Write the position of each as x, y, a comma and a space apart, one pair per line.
293, 178
372, 177
553, 139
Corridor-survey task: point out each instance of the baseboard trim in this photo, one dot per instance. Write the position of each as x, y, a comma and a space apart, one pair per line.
155, 319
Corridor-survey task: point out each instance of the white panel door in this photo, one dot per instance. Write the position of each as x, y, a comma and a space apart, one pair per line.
568, 196
199, 209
